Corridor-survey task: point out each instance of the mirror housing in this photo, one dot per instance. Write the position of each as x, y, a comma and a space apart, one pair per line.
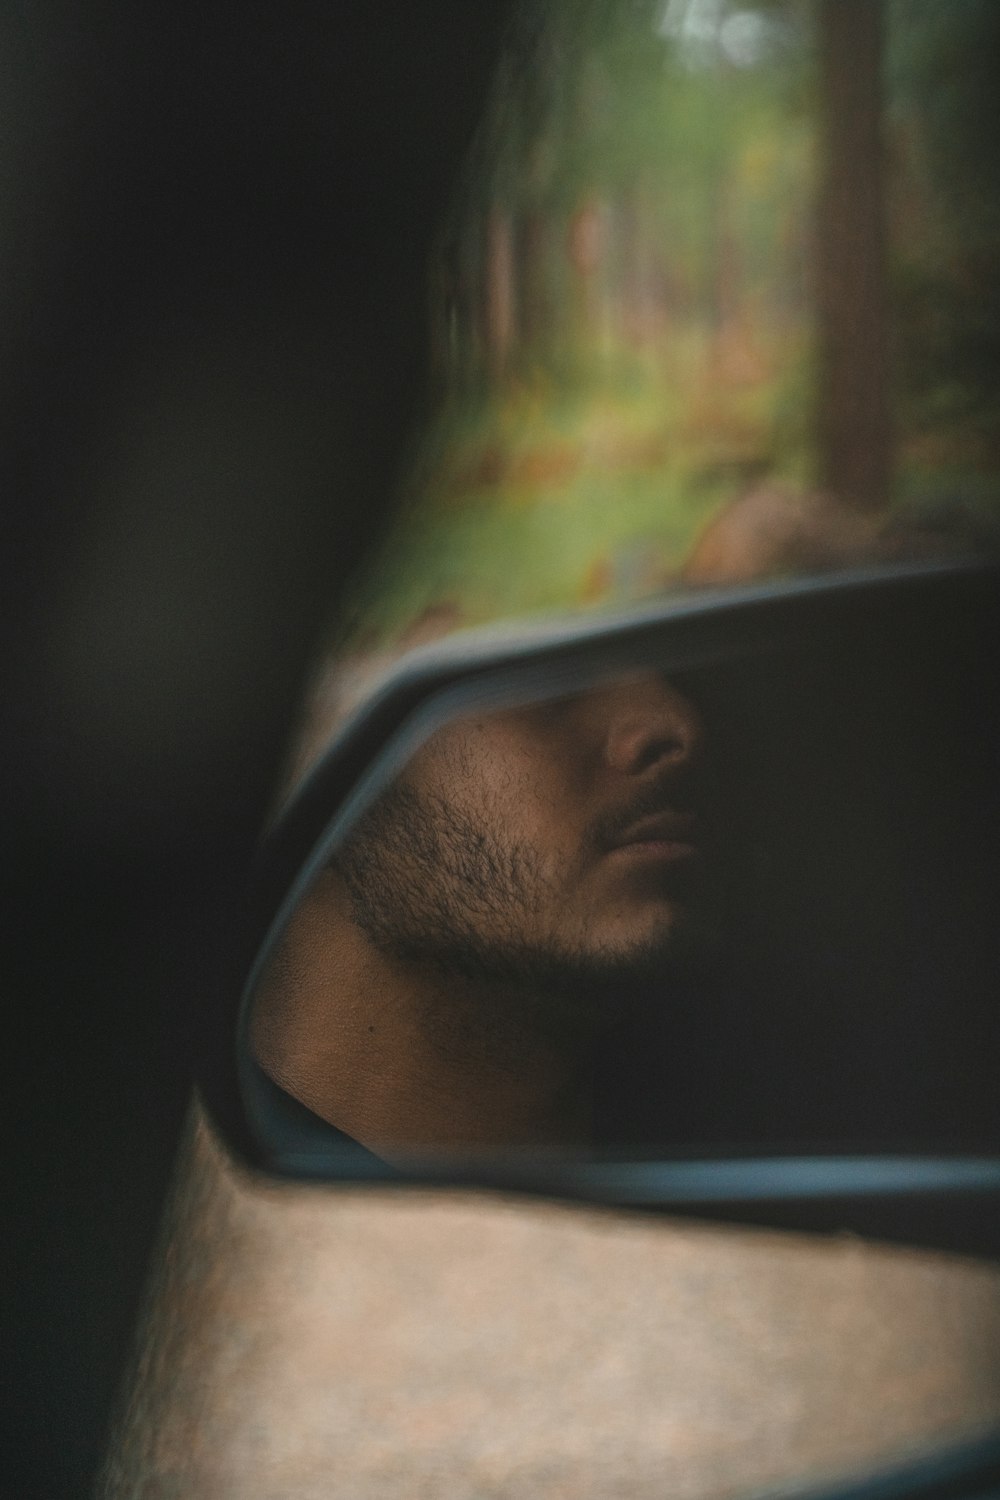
935, 1196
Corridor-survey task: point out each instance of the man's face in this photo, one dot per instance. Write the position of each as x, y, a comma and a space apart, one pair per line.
556, 845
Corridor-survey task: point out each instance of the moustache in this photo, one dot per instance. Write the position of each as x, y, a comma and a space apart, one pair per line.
677, 794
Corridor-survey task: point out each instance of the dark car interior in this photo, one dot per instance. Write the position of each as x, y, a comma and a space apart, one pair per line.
217, 227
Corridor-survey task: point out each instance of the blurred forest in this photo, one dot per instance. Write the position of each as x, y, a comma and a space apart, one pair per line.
705, 250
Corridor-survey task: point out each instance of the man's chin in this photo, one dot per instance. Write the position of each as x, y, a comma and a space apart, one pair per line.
678, 938
600, 985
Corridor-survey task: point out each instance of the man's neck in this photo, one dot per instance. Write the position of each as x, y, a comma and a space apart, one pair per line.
404, 1058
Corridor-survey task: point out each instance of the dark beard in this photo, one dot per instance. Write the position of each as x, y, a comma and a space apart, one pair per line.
432, 887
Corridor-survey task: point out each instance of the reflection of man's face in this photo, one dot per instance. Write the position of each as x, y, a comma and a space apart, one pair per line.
555, 845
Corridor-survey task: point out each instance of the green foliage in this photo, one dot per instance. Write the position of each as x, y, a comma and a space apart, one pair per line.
624, 310
606, 539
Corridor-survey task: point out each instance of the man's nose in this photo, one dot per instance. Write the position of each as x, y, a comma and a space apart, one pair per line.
649, 723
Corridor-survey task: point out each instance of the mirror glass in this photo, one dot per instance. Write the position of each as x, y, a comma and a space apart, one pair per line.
749, 906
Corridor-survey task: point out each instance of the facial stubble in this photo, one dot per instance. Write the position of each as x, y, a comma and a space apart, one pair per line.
433, 886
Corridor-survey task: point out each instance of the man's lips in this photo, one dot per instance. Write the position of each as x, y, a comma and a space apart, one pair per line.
665, 835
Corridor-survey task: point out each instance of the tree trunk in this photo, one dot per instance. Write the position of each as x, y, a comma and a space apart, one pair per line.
499, 289
854, 416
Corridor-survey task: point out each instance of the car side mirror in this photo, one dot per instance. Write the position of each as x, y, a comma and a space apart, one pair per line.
689, 907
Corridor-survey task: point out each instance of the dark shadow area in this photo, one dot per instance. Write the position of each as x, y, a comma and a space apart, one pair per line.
218, 223
851, 1002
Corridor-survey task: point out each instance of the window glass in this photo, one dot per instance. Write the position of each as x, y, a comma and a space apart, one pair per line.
716, 300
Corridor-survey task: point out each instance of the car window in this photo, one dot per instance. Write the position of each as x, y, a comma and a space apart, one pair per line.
715, 301
703, 285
